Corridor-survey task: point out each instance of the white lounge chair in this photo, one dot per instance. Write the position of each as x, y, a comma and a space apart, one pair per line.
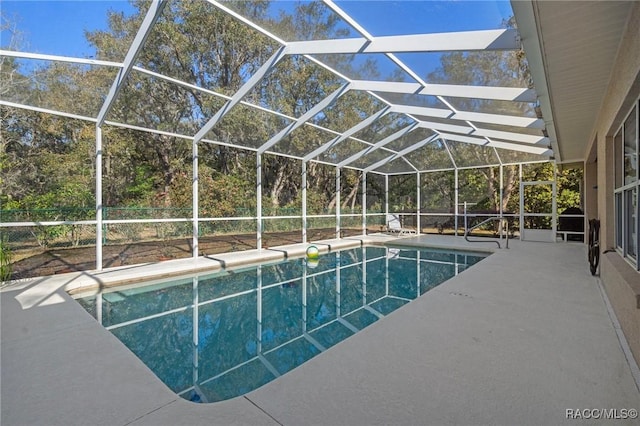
395, 227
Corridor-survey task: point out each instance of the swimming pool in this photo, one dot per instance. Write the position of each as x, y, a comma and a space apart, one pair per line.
216, 336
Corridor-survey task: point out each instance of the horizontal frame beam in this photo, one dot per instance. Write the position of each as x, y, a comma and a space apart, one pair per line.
458, 91
503, 120
505, 39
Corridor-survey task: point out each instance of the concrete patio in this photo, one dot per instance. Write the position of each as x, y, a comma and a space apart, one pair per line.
520, 338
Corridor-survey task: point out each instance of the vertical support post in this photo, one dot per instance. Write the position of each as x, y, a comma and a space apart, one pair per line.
521, 218
455, 199
386, 200
500, 209
98, 198
304, 202
259, 201
337, 202
195, 202
338, 296
364, 203
418, 227
554, 205
465, 218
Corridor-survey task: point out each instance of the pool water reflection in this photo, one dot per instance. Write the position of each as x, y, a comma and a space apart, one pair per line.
213, 337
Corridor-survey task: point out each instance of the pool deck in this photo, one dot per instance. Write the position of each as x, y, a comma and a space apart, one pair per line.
519, 339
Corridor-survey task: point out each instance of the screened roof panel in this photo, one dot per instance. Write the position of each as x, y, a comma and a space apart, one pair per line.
443, 121
469, 155
508, 156
247, 126
412, 99
347, 111
413, 137
294, 86
432, 156
301, 141
398, 165
370, 158
365, 66
491, 106
473, 68
155, 103
216, 60
69, 18
405, 17
294, 21
385, 126
336, 65
523, 130
342, 151
60, 86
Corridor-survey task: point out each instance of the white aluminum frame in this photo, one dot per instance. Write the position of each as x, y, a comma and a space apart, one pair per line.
498, 39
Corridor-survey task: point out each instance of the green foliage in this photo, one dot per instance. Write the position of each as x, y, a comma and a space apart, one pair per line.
47, 163
5, 259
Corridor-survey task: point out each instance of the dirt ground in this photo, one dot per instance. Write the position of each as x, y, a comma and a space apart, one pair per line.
58, 261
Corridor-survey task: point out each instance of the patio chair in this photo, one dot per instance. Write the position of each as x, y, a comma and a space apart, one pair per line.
395, 227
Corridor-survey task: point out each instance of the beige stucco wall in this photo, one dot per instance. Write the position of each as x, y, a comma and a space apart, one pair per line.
590, 191
621, 281
622, 285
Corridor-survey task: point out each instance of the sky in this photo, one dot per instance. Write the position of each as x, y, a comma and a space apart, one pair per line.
57, 27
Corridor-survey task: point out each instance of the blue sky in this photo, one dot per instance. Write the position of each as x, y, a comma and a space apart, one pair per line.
57, 27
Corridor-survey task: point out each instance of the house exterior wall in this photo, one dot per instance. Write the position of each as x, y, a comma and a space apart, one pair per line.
620, 279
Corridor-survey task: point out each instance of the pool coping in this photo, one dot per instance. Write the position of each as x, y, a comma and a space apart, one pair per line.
74, 282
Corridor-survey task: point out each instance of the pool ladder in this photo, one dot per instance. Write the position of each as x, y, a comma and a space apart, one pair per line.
505, 231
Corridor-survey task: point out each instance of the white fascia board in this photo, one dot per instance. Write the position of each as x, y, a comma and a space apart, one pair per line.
155, 9
505, 39
532, 43
511, 136
57, 58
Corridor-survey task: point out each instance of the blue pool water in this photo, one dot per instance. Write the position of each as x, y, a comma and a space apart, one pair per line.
217, 336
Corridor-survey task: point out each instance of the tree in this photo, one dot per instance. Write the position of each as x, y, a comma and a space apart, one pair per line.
491, 68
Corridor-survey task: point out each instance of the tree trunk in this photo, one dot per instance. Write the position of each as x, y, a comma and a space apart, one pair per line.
278, 186
351, 198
